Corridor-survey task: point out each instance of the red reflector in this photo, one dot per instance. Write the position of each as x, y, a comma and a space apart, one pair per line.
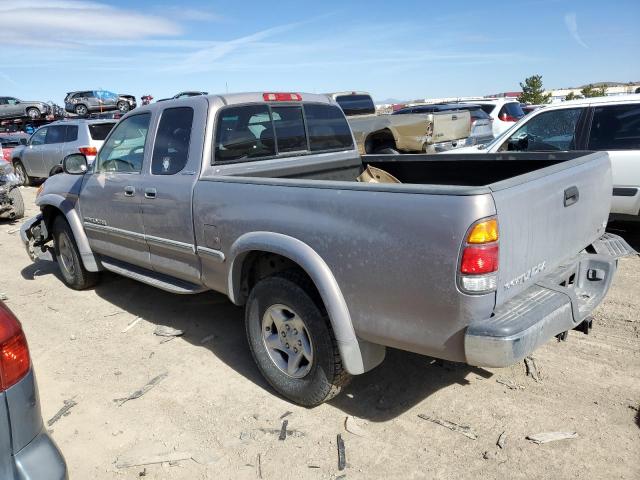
479, 260
14, 353
281, 97
89, 151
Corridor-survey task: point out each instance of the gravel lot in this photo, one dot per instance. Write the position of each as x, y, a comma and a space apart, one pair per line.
213, 405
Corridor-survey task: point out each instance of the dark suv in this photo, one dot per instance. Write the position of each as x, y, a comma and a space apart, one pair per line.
26, 450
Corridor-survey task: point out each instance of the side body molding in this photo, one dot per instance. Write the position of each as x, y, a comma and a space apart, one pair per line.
357, 356
67, 207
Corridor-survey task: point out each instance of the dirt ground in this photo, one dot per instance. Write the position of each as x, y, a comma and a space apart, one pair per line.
214, 406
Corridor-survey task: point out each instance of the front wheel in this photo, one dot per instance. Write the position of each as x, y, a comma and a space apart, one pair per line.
33, 113
17, 203
123, 106
68, 257
81, 110
292, 342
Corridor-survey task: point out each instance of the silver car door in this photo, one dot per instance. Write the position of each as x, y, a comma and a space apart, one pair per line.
52, 148
32, 153
111, 195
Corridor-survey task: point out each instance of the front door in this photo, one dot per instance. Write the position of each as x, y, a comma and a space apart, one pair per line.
32, 153
110, 202
167, 191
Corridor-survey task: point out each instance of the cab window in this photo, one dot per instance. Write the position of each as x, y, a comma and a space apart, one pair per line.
615, 127
171, 149
554, 130
124, 149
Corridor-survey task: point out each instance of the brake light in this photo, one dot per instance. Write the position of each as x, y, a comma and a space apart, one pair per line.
479, 258
14, 353
281, 97
89, 151
508, 118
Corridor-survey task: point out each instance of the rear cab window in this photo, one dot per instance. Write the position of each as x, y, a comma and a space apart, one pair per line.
171, 148
263, 131
615, 127
99, 131
356, 104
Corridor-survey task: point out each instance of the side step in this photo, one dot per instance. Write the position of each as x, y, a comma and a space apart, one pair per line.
155, 279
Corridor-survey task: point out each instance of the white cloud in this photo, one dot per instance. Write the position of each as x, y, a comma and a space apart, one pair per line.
69, 23
571, 22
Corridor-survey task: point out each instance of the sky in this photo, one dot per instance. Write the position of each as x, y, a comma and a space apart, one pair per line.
395, 50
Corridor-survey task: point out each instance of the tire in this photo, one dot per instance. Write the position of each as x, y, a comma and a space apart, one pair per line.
18, 203
316, 380
74, 274
387, 151
22, 174
123, 106
33, 113
81, 110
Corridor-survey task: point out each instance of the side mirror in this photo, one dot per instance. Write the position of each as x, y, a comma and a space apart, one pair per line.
23, 141
75, 164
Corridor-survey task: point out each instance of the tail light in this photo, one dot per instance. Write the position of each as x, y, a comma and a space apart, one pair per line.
479, 257
505, 117
89, 151
281, 97
14, 353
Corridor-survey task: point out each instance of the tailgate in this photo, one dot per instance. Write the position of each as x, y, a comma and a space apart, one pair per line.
451, 126
547, 216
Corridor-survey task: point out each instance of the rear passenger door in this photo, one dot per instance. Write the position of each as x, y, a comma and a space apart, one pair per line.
53, 147
616, 130
167, 188
32, 153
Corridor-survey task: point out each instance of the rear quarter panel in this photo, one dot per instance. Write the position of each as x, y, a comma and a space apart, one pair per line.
397, 272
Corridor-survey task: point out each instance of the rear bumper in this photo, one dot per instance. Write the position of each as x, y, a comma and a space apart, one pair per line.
41, 459
559, 302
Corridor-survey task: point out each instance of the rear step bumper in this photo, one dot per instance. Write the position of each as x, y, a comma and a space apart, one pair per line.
557, 303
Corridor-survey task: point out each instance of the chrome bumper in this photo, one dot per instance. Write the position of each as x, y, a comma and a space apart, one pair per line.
31, 231
559, 302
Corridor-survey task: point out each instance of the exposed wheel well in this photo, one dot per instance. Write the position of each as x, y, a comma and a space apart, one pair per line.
49, 213
378, 140
259, 264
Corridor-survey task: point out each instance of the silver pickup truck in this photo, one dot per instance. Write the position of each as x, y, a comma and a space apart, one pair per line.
471, 258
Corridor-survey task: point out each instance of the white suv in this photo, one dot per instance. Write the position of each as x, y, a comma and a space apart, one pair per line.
503, 111
611, 124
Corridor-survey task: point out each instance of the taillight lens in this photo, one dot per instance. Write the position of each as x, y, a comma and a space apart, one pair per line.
14, 353
508, 118
479, 258
281, 97
89, 151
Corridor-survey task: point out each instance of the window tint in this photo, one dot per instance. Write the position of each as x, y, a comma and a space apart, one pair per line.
512, 109
38, 137
328, 129
478, 114
124, 150
244, 132
99, 131
615, 127
171, 150
72, 133
289, 127
55, 134
487, 108
548, 131
356, 104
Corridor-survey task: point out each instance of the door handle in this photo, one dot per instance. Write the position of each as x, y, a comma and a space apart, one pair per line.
571, 196
150, 193
129, 191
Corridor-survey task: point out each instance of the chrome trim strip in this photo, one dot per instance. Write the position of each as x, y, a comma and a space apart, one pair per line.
165, 242
126, 234
216, 255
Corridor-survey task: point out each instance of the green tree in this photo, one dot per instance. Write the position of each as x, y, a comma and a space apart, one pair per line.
533, 91
590, 91
571, 96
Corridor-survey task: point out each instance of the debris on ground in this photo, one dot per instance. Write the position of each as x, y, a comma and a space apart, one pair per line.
259, 466
131, 325
138, 393
205, 458
532, 369
4, 297
351, 426
72, 337
11, 232
342, 460
510, 384
113, 314
283, 430
170, 457
278, 431
143, 473
164, 331
63, 412
463, 429
286, 414
547, 437
52, 309
502, 439
207, 339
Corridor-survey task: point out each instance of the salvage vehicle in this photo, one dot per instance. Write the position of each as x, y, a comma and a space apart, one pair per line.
413, 133
27, 452
11, 201
12, 108
126, 103
46, 148
610, 124
476, 259
90, 101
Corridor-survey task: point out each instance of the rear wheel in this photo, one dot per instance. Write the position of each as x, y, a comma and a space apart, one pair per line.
22, 174
123, 106
33, 113
68, 257
292, 342
81, 110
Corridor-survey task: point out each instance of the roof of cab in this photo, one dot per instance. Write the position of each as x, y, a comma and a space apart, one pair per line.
253, 97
